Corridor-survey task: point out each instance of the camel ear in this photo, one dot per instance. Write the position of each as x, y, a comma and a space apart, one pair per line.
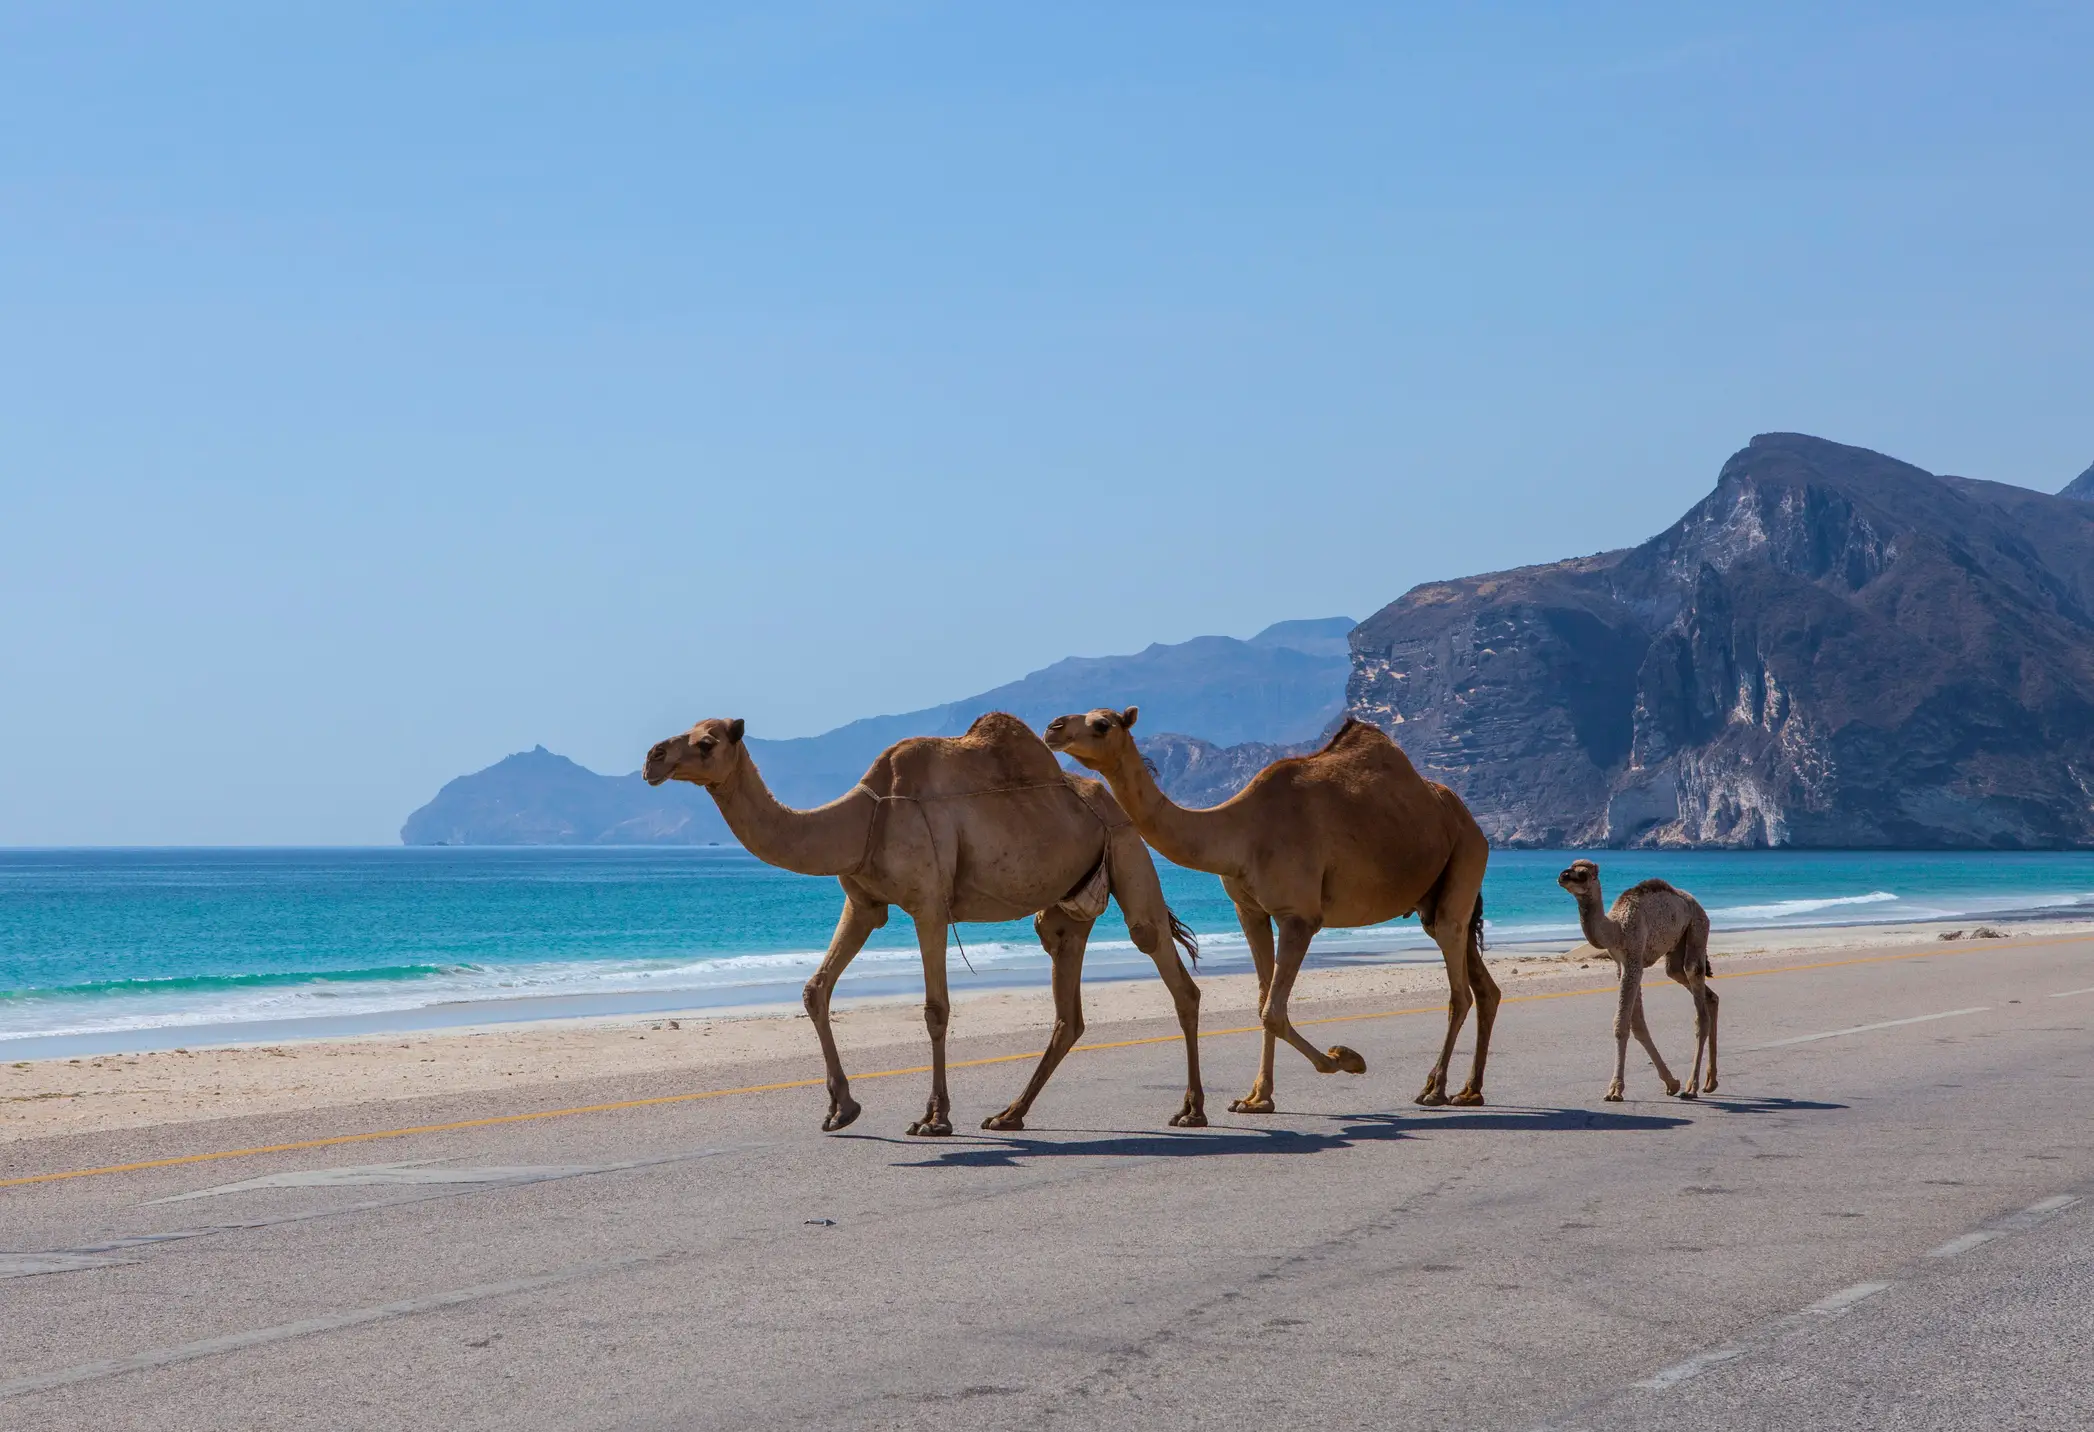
734, 730
1127, 716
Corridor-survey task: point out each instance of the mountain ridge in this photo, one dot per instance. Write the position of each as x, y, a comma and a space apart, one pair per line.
1285, 683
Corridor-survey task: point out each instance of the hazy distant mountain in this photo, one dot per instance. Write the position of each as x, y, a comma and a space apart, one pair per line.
2081, 487
1833, 648
538, 798
1283, 685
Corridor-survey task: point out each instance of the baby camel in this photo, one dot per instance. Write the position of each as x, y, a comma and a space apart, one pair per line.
1650, 921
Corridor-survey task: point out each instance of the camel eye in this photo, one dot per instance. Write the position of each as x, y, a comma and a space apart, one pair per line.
1099, 728
705, 747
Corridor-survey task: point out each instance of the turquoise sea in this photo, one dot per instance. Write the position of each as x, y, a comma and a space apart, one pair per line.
119, 949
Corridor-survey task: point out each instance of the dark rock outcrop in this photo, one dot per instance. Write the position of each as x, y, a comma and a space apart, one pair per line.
1193, 772
1833, 648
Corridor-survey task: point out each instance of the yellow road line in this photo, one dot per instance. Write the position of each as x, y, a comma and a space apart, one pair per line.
499, 1119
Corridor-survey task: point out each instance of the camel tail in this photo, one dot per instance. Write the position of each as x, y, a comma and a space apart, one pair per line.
1476, 926
1186, 939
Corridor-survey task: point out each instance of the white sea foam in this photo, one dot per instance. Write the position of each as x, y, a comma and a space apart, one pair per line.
1790, 909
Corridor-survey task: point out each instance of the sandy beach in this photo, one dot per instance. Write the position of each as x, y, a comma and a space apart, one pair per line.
47, 1097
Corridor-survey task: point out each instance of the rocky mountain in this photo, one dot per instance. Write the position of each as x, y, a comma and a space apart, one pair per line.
1283, 685
1834, 648
2081, 488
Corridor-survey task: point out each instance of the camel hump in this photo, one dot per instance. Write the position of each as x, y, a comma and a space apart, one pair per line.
1654, 887
1355, 732
1355, 748
994, 726
997, 750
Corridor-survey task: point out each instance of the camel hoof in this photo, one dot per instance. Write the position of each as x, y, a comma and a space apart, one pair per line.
1708, 1085
1349, 1060
1689, 1094
1189, 1119
1612, 1096
1251, 1106
1467, 1098
1432, 1098
1672, 1086
841, 1116
925, 1129
1004, 1123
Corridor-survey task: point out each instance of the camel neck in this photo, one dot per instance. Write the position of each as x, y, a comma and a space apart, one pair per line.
1600, 931
1195, 839
828, 840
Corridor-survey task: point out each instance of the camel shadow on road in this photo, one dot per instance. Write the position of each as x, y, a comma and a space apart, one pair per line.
1348, 1131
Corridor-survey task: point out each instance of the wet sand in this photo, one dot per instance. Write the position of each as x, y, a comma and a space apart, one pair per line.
41, 1098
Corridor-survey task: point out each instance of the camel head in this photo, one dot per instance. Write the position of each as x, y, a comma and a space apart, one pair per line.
1093, 737
705, 755
1581, 879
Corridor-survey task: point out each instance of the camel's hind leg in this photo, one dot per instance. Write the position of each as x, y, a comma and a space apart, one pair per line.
1689, 965
859, 919
1485, 990
1257, 932
1064, 937
1295, 934
937, 1011
1456, 927
1149, 925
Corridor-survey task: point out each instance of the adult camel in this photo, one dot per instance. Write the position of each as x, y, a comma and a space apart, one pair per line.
1351, 835
985, 826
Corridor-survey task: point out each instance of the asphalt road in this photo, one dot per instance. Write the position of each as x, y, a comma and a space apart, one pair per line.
1871, 1225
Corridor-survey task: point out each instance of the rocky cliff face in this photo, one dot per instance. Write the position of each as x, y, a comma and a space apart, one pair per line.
1833, 648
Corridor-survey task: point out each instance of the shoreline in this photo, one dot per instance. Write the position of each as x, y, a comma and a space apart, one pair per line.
139, 1088
473, 1015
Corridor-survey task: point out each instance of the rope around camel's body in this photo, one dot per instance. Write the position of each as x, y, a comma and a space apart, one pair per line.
952, 926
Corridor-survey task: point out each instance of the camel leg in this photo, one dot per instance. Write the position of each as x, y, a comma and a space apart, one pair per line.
937, 1010
1295, 934
1135, 886
1704, 1029
1692, 957
1064, 937
1624, 1021
858, 921
1650, 1047
1459, 997
1257, 931
1485, 990
1708, 1085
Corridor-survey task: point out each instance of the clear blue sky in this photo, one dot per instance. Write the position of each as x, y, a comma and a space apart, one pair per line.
387, 388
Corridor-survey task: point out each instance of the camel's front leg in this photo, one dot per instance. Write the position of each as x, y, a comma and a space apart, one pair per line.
1650, 1047
937, 1011
1257, 932
1064, 938
1624, 1021
1295, 934
859, 919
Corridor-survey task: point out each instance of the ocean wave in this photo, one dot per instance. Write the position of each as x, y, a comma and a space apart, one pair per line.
188, 984
1788, 909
